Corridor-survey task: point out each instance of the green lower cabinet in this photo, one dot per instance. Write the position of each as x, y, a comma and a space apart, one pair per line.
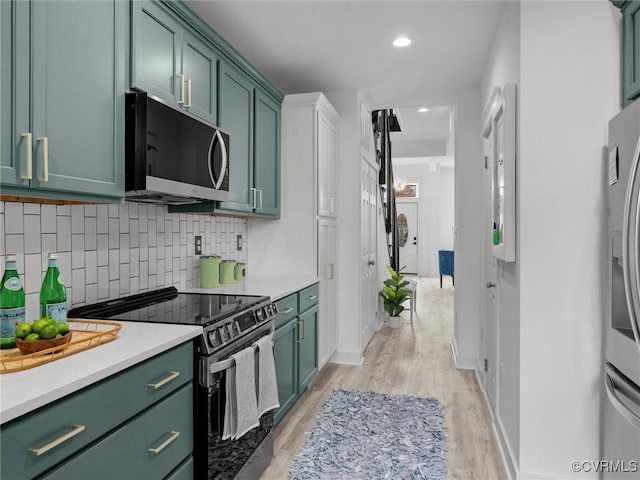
184, 471
285, 353
308, 348
149, 447
296, 347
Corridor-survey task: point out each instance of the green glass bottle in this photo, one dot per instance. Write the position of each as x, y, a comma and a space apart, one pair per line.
11, 303
53, 294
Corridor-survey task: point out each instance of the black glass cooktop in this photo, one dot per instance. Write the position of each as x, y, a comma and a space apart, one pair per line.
169, 306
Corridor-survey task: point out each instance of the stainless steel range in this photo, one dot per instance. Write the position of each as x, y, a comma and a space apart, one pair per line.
230, 324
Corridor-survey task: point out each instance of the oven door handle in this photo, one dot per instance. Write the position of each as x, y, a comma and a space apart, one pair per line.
224, 364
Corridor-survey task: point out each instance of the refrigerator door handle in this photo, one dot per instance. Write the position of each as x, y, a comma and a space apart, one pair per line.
611, 377
629, 257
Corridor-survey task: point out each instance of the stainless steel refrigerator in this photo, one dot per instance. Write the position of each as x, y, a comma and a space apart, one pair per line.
621, 439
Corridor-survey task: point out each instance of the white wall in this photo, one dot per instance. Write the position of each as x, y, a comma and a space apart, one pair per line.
570, 88
504, 67
469, 224
435, 207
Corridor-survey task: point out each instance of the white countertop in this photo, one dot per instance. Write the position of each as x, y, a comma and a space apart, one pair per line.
274, 286
21, 392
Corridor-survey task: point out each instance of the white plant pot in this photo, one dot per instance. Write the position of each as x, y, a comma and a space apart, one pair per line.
394, 322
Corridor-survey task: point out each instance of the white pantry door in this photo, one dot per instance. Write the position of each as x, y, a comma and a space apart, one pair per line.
408, 235
369, 252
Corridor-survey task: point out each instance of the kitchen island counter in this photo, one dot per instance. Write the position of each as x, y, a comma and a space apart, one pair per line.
22, 392
274, 286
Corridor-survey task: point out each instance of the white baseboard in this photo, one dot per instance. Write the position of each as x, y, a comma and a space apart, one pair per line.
347, 358
461, 363
508, 461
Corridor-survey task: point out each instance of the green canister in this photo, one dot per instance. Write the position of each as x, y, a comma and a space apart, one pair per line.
227, 271
241, 271
209, 271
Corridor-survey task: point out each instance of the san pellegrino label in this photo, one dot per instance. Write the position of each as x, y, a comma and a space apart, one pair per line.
57, 311
14, 284
10, 318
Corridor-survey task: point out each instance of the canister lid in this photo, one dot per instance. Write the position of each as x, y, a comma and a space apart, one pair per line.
240, 263
229, 261
210, 256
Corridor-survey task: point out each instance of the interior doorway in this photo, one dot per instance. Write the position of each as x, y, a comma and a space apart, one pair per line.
408, 235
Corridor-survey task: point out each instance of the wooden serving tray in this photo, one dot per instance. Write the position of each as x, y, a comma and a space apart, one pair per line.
86, 334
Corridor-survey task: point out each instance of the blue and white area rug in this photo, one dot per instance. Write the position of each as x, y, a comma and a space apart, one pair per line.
367, 435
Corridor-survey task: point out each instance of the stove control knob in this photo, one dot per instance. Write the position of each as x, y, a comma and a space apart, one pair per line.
223, 334
238, 330
213, 340
259, 315
231, 330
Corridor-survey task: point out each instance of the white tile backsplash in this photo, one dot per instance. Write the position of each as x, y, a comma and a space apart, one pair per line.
106, 251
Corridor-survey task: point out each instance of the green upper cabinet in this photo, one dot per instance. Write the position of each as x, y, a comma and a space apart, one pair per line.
236, 118
200, 68
72, 55
171, 62
631, 49
156, 48
266, 169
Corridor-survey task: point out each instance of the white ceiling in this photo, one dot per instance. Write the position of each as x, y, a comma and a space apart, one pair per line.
305, 46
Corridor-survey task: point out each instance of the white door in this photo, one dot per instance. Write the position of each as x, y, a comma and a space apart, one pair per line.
408, 235
368, 290
489, 332
327, 270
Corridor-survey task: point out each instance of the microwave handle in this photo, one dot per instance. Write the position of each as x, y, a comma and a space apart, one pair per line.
223, 170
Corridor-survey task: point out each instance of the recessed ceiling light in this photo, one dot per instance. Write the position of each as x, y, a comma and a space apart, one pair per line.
402, 41
423, 109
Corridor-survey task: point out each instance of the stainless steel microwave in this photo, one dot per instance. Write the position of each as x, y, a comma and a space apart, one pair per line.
171, 156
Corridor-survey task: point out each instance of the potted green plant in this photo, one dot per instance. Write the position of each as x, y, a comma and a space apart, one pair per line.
394, 294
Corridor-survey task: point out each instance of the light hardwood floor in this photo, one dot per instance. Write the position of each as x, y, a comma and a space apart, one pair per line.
415, 360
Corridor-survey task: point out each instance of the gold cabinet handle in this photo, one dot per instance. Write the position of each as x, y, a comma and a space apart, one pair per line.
29, 154
75, 430
254, 192
287, 311
188, 104
181, 101
312, 297
302, 320
298, 339
164, 444
45, 159
164, 381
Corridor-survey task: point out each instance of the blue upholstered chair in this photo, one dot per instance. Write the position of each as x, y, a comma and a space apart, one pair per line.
445, 262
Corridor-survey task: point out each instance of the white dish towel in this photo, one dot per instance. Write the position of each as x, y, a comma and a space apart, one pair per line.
241, 410
267, 385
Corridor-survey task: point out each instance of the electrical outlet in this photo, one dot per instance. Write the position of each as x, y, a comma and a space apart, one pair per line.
198, 245
239, 242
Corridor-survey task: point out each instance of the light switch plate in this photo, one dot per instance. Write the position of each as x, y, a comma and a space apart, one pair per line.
198, 245
239, 242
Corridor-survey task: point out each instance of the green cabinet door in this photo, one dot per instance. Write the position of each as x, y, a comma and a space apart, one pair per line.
200, 68
286, 361
14, 92
236, 118
78, 75
156, 50
308, 348
150, 446
267, 155
631, 49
